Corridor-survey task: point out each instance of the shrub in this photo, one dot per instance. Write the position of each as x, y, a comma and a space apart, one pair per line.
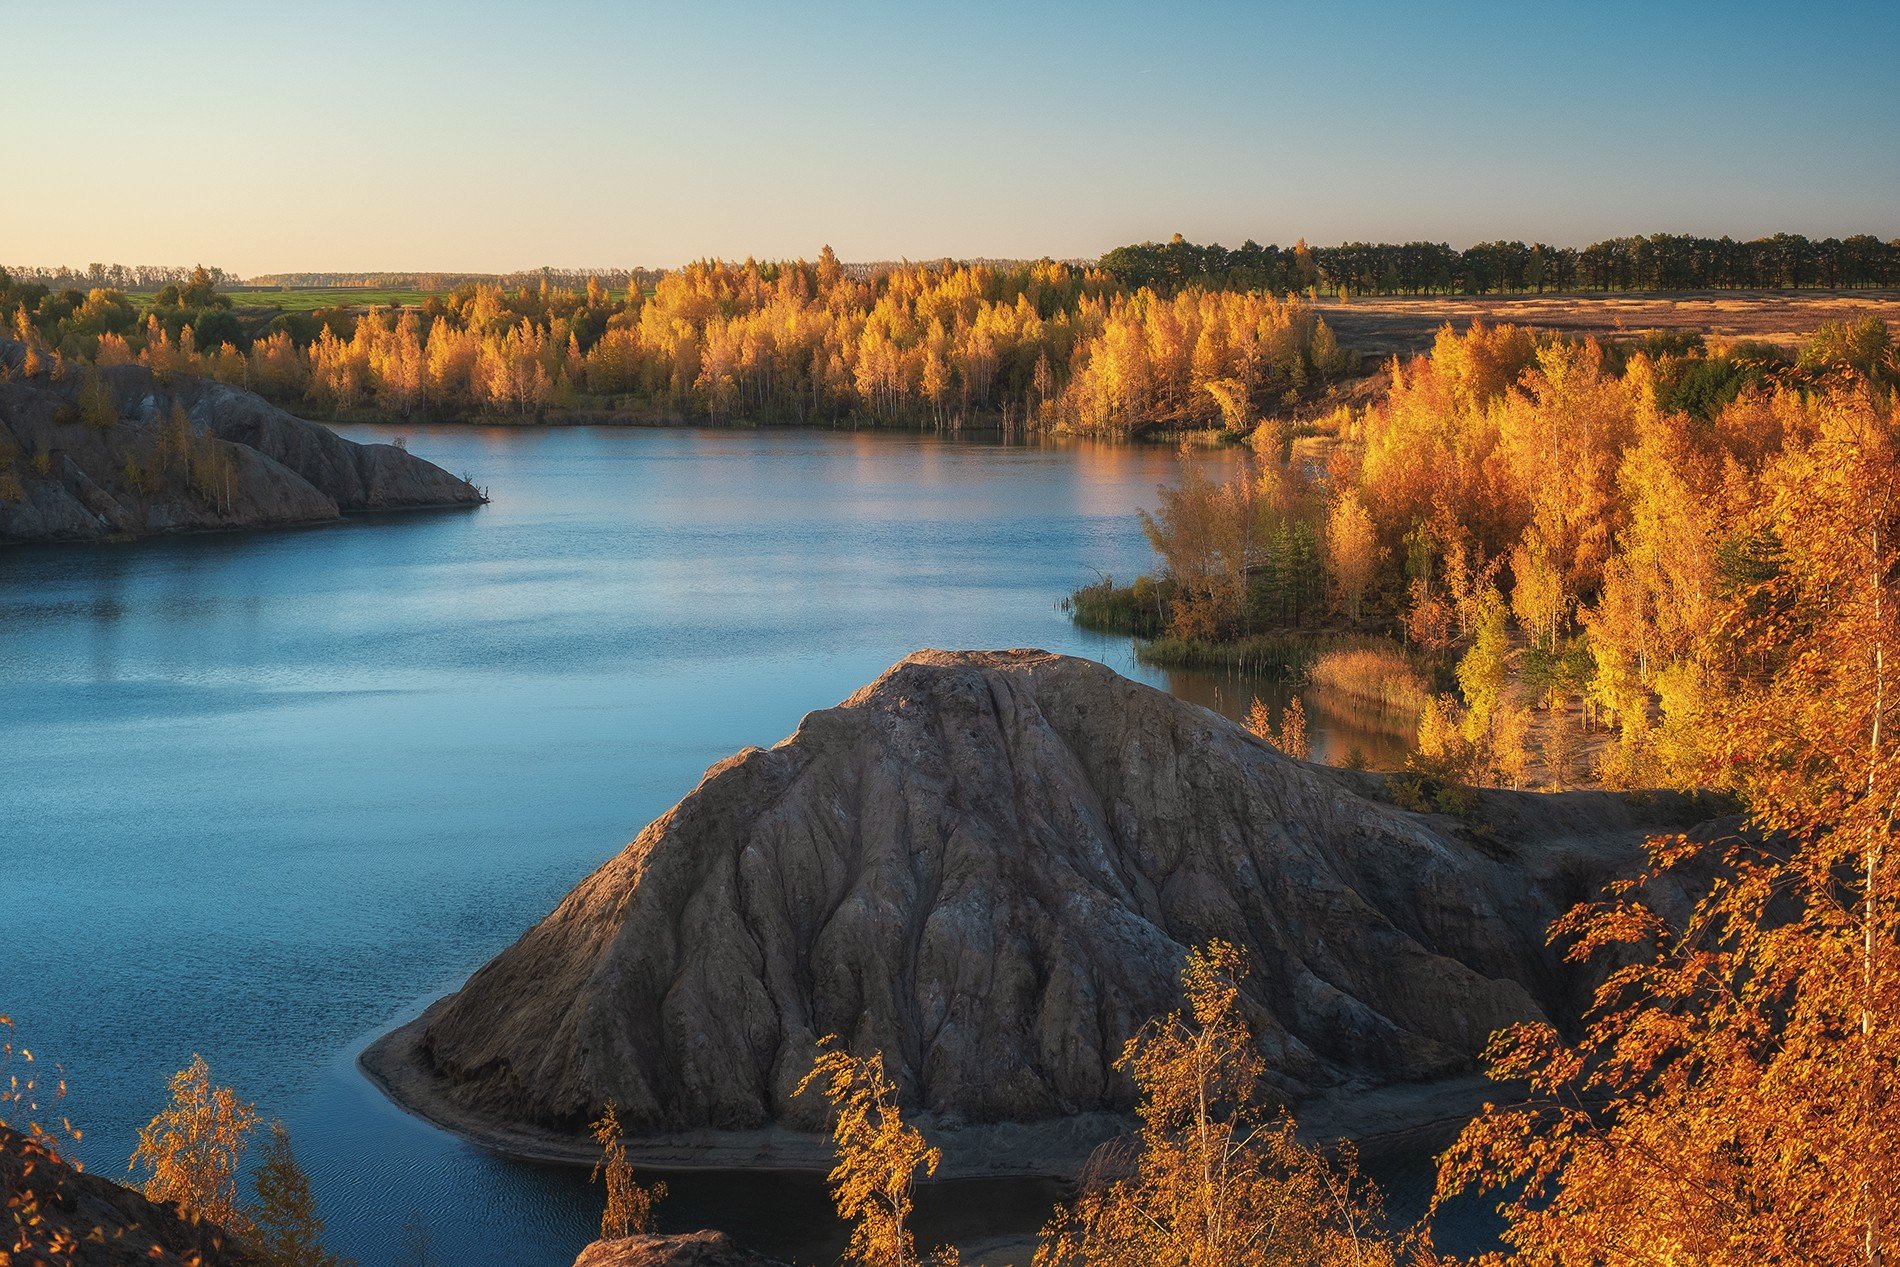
1138, 610
97, 408
1284, 654
1425, 794
879, 1157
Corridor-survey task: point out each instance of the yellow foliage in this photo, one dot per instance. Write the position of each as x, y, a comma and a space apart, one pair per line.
1443, 748
1374, 677
27, 1108
879, 1156
190, 1151
113, 350
1259, 720
1538, 597
1292, 740
629, 1210
797, 341
1510, 745
1217, 1176
1484, 670
1352, 552
1735, 1099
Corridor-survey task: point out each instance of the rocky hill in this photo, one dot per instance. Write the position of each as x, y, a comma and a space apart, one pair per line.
58, 1215
121, 452
989, 866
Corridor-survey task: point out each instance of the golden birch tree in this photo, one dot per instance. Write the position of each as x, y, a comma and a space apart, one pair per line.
190, 1152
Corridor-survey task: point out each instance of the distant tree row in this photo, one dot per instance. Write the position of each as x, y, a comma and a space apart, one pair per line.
864, 270
117, 276
1043, 345
1662, 261
562, 278
1659, 261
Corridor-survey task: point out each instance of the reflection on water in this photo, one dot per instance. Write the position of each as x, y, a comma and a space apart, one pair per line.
1339, 733
268, 794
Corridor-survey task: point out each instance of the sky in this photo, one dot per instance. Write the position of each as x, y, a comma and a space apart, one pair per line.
482, 136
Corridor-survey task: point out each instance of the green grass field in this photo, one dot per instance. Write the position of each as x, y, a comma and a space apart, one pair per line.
311, 300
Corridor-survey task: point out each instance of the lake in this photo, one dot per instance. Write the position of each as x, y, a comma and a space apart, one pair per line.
266, 795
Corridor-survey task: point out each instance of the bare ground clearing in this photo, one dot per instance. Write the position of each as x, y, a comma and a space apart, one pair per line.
1383, 325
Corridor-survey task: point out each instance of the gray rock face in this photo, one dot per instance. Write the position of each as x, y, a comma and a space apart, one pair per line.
256, 466
694, 1249
990, 866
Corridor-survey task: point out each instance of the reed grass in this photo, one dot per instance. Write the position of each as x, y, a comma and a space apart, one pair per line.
1137, 610
1284, 653
1373, 677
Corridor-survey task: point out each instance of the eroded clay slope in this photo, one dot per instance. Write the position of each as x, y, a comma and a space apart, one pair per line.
989, 866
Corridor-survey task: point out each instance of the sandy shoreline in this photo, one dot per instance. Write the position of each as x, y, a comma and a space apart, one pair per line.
1045, 1150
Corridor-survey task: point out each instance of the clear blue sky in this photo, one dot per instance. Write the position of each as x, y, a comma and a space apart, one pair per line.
489, 136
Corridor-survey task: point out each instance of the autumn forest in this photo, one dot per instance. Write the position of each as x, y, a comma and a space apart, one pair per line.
1172, 335
1649, 564
734, 634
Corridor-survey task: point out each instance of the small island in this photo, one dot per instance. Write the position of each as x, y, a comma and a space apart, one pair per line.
91, 453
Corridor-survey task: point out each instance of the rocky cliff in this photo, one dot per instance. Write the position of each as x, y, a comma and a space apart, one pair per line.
121, 452
989, 866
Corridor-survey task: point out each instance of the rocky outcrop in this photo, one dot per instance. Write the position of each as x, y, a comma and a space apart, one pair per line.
239, 461
990, 866
97, 1222
694, 1249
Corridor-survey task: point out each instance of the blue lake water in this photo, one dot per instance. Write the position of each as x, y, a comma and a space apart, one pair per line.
266, 795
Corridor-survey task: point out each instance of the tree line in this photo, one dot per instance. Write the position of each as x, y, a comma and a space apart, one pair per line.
569, 278
1660, 261
1657, 261
117, 276
1042, 345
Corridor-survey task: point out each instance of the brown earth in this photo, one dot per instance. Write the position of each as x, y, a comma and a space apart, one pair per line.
97, 1222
